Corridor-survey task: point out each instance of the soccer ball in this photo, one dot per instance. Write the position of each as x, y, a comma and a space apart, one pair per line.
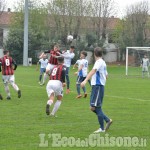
69, 37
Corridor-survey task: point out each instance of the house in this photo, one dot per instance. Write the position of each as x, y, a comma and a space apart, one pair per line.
5, 20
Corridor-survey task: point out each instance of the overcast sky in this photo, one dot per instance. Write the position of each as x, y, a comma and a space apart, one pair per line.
121, 4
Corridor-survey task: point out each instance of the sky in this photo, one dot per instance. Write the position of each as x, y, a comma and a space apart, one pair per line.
121, 5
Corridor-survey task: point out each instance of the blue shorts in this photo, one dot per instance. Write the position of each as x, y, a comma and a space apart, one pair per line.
42, 70
97, 95
80, 79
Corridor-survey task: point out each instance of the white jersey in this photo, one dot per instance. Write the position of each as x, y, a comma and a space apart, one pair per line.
78, 63
84, 70
99, 78
43, 62
145, 62
67, 58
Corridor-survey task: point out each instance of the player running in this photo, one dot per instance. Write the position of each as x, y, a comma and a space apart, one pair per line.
43, 64
52, 60
8, 66
68, 56
99, 75
82, 73
55, 86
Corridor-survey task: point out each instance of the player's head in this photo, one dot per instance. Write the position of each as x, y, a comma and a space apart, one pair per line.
60, 60
6, 52
83, 54
72, 48
98, 52
56, 47
145, 56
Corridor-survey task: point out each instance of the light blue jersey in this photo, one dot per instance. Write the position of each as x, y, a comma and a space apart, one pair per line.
99, 78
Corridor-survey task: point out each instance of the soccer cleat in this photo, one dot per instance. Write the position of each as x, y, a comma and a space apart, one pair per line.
85, 95
42, 83
79, 96
67, 91
8, 98
99, 130
51, 115
19, 93
47, 109
108, 124
1, 98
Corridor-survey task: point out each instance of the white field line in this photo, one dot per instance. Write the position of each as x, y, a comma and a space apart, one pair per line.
111, 96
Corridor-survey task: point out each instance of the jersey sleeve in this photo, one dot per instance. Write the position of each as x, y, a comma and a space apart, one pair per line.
96, 65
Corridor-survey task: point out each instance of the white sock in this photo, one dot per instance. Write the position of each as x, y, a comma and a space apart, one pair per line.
44, 77
15, 86
7, 89
56, 106
50, 102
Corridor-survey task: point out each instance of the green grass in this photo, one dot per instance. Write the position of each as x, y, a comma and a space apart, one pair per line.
126, 101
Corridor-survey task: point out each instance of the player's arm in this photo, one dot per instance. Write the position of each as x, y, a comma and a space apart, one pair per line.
80, 68
15, 64
37, 65
90, 74
63, 77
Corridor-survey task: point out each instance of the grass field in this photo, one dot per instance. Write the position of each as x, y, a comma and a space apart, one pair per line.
126, 101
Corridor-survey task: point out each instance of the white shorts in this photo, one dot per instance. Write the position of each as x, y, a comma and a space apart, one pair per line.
145, 68
8, 78
54, 86
49, 67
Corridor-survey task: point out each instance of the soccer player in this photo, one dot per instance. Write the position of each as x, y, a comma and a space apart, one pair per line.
43, 63
52, 60
82, 73
99, 75
145, 65
55, 86
68, 56
8, 67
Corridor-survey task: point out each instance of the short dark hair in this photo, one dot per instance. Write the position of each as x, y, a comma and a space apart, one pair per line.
73, 47
84, 53
60, 59
98, 52
5, 52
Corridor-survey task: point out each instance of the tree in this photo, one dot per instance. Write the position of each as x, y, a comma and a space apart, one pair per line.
2, 6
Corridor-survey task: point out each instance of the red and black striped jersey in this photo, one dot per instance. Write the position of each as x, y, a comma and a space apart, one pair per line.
7, 65
53, 60
58, 73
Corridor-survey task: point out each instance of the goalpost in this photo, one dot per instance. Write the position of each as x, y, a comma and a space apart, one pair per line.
134, 57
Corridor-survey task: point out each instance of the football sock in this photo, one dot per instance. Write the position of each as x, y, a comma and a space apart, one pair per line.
56, 107
84, 89
78, 89
7, 89
15, 86
40, 77
44, 78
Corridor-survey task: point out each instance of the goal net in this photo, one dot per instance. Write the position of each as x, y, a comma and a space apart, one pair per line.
134, 56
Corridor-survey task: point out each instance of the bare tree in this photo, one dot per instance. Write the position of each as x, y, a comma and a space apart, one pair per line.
2, 6
101, 12
137, 22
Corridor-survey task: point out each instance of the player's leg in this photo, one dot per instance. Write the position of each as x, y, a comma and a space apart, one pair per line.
68, 80
58, 87
6, 86
56, 105
84, 88
51, 96
40, 77
14, 85
78, 87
